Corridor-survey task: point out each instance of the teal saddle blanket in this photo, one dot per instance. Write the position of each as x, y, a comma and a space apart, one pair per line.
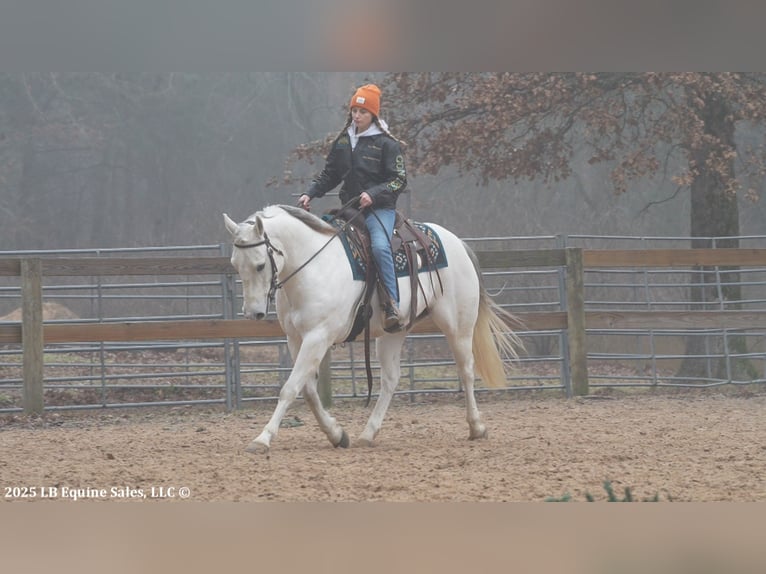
359, 266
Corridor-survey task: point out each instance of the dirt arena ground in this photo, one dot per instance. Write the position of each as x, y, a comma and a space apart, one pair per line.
685, 447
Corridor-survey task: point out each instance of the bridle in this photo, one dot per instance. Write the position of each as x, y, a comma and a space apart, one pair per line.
270, 251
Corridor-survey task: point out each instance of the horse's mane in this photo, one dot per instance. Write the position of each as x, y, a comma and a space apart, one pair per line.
309, 219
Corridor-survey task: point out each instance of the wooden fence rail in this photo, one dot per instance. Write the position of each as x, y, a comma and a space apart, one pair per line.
33, 334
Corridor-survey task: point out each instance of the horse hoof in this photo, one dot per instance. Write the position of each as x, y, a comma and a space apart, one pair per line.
256, 447
364, 442
480, 434
344, 442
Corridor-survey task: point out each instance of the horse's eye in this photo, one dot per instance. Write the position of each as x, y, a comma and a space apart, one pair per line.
260, 267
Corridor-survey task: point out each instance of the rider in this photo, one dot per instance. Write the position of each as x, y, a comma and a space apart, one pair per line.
368, 160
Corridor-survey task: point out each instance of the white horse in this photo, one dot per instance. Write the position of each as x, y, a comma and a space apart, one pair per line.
290, 253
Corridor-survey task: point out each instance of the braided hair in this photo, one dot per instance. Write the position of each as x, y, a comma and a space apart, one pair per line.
377, 123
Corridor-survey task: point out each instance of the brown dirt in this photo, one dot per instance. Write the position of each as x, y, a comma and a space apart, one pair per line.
687, 447
51, 311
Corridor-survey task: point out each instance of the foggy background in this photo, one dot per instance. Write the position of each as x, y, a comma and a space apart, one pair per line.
95, 160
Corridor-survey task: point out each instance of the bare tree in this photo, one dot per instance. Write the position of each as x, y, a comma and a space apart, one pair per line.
530, 126
134, 159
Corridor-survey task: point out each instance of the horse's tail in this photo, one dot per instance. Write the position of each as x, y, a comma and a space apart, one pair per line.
492, 334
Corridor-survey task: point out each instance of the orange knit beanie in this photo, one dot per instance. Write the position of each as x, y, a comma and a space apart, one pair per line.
367, 97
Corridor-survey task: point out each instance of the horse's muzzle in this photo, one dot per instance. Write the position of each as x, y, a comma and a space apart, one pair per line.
250, 313
254, 315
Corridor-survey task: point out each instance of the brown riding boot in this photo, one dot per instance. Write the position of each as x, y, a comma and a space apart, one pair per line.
391, 322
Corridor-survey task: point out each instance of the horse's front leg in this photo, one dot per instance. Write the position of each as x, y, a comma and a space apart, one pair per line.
306, 365
335, 433
327, 423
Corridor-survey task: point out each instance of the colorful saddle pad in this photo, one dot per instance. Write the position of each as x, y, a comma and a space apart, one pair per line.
359, 266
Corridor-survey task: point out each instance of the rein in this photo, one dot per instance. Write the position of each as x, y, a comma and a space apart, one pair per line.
271, 249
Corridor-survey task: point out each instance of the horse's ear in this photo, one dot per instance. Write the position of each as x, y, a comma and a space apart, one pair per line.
230, 224
259, 225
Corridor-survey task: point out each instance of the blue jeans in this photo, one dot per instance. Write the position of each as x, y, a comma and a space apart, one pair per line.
380, 222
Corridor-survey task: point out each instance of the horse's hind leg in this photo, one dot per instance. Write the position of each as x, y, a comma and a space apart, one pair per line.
389, 351
462, 349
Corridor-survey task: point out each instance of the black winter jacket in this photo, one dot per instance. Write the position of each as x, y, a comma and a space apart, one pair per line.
376, 165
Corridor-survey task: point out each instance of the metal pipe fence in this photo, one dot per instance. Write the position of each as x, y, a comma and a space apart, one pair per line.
236, 371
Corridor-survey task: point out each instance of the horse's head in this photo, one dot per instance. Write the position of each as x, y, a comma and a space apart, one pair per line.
252, 257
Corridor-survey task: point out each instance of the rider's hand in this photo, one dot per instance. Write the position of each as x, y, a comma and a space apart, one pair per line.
365, 200
304, 201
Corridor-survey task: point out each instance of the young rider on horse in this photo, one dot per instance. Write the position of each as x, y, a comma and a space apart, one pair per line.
368, 160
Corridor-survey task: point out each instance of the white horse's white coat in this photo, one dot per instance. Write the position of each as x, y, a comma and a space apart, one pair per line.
315, 308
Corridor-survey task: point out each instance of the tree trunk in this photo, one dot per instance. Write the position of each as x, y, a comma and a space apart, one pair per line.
24, 200
714, 214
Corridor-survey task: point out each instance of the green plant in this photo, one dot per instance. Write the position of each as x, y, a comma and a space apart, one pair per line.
611, 496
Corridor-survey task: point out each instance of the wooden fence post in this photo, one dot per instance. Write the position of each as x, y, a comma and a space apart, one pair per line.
324, 385
578, 360
32, 334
